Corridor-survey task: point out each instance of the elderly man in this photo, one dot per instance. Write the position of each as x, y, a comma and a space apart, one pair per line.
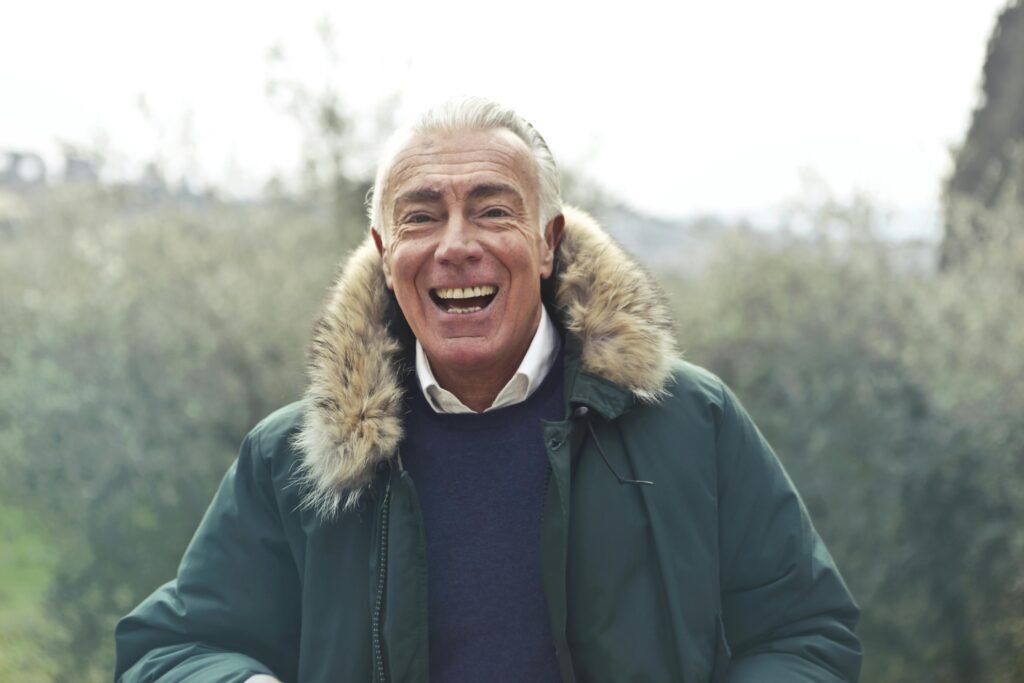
500, 471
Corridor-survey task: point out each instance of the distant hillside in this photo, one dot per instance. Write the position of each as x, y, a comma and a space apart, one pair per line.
658, 242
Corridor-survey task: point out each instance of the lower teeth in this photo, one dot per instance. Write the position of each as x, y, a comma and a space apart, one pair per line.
472, 309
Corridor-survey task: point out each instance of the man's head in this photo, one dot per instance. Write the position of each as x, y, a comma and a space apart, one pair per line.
461, 115
467, 215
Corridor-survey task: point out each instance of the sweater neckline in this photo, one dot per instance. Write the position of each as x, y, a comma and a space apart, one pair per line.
550, 389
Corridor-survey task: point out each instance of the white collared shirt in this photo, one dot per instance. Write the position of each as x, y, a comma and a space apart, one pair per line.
535, 367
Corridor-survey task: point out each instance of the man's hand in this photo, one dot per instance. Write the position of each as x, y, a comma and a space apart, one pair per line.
261, 678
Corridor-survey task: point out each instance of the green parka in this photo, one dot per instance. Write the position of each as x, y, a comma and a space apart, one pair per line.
310, 563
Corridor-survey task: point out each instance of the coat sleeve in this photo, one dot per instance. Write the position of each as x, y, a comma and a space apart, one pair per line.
233, 609
787, 615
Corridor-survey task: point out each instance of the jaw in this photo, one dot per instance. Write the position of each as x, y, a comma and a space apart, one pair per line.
473, 342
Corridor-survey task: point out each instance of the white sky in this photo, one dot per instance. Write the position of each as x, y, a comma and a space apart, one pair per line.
678, 107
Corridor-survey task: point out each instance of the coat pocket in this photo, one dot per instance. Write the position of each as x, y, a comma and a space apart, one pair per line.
722, 653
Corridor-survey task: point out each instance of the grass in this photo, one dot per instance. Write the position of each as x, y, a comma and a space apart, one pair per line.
27, 563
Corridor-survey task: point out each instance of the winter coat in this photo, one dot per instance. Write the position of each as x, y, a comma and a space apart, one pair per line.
310, 563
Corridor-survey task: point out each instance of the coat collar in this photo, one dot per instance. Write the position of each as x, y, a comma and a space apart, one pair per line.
613, 313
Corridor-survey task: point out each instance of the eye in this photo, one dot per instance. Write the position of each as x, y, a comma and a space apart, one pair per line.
417, 218
496, 212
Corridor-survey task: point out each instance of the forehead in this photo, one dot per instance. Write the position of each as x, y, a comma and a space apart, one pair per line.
457, 162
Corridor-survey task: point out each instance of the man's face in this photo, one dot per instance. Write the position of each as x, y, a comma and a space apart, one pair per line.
463, 251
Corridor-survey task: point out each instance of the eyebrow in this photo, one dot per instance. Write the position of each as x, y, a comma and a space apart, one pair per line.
483, 191
419, 195
493, 189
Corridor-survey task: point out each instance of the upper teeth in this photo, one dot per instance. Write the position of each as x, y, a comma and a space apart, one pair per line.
466, 292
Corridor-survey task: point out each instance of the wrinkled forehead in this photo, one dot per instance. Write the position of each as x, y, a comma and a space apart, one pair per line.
459, 161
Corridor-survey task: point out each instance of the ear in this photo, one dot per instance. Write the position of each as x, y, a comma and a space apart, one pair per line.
384, 260
552, 235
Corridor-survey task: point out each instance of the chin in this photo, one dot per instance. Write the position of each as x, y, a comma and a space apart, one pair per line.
464, 355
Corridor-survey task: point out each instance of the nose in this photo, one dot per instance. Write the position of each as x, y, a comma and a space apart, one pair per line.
458, 242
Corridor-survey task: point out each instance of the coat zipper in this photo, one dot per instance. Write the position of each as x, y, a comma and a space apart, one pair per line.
382, 567
560, 644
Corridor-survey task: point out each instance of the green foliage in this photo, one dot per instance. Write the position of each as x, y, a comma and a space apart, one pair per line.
892, 393
27, 562
141, 339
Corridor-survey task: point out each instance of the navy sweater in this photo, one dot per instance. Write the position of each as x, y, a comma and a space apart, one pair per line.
481, 482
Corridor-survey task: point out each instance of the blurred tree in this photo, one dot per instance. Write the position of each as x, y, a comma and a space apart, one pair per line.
892, 394
966, 497
338, 149
138, 346
984, 164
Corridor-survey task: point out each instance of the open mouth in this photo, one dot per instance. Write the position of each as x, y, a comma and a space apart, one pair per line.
464, 299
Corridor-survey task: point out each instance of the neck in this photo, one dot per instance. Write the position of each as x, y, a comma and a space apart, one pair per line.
477, 388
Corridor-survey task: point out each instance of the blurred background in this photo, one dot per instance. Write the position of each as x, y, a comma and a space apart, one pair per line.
832, 196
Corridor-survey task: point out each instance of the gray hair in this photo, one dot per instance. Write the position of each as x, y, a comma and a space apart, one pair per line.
470, 114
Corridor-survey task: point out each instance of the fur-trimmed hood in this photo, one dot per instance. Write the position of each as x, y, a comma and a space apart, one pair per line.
354, 403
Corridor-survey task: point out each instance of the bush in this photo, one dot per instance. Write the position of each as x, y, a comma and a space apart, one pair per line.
892, 393
142, 338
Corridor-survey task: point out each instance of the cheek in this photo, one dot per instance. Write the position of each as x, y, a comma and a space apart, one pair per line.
407, 264
524, 255
527, 232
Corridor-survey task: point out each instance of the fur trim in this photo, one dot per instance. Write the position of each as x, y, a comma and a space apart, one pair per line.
613, 305
353, 414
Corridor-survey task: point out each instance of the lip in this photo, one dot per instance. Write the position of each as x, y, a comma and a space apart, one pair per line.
464, 316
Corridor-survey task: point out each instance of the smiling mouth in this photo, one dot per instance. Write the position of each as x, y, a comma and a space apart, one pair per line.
463, 299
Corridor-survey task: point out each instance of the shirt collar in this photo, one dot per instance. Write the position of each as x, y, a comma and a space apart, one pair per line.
536, 364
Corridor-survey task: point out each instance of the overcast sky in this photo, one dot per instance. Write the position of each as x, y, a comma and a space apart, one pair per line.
680, 108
